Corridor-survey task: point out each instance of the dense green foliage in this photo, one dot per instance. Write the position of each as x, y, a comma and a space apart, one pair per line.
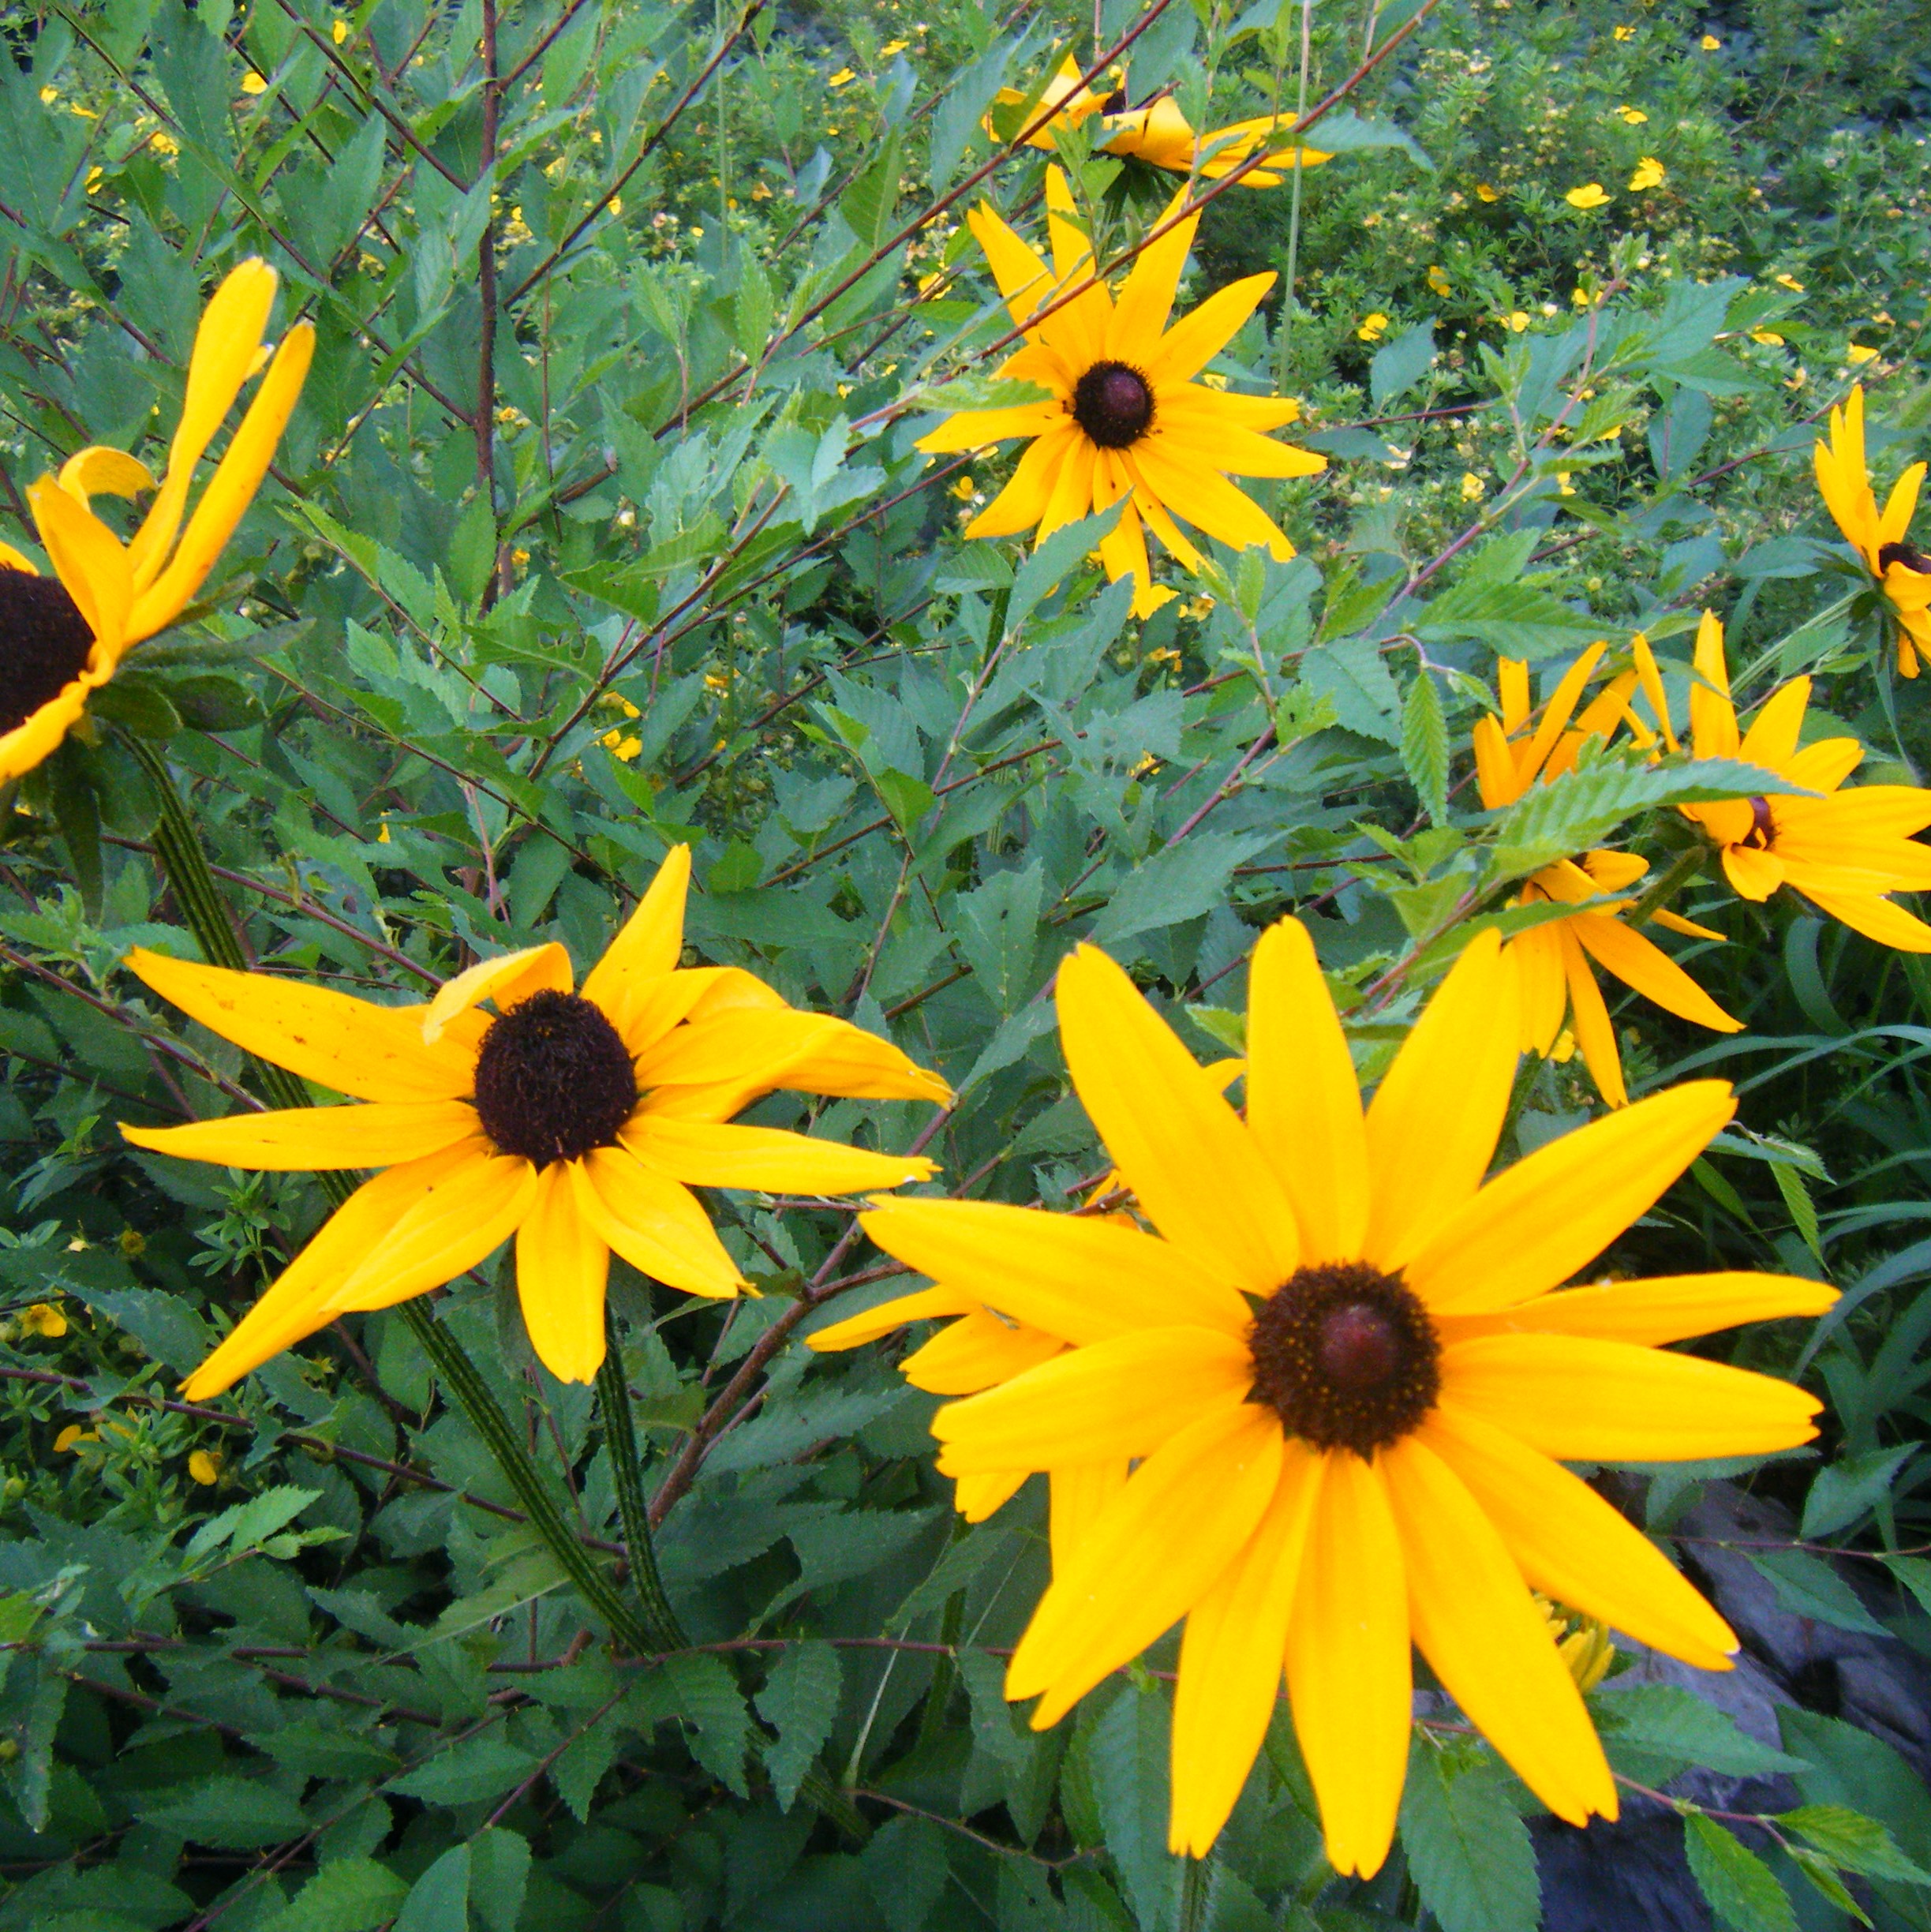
600, 528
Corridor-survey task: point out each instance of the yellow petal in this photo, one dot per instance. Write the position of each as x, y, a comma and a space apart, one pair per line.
1580, 1400
655, 1224
1877, 918
1121, 1398
1712, 717
1185, 1153
764, 1158
1536, 1223
1595, 1034
653, 938
644, 1010
1348, 1673
1303, 1105
1538, 955
1225, 446
1195, 406
456, 1220
1198, 336
1666, 1308
376, 1053
88, 558
1082, 1278
1231, 1660
978, 1351
100, 471
855, 1330
561, 1266
38, 736
507, 979
1024, 501
977, 1497
298, 1302
1191, 489
1772, 738
1434, 1120
1140, 314
1641, 963
1155, 1550
379, 1135
1752, 874
971, 429
1572, 1546
1477, 1625
1024, 278
1072, 490
1076, 1498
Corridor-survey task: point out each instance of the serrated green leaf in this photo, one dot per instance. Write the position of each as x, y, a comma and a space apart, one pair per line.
1424, 745
800, 1700
1739, 1888
1467, 1846
1856, 1843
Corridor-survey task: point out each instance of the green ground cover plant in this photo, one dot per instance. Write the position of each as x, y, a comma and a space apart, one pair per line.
619, 505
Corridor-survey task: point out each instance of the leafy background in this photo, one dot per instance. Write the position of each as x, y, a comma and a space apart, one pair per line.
600, 528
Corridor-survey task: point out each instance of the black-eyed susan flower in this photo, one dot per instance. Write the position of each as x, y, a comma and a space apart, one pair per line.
1347, 1375
1557, 959
1126, 422
1157, 132
577, 1121
64, 636
1902, 571
1845, 851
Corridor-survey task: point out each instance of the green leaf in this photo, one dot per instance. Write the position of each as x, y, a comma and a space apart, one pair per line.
1127, 1751
1466, 1845
702, 1691
1741, 1889
1353, 674
1178, 882
1846, 1490
1424, 745
1677, 1724
228, 1814
439, 1901
905, 1865
800, 1700
356, 1895
1853, 1841
477, 1770
1400, 365
1807, 1586
1823, 1877
498, 1876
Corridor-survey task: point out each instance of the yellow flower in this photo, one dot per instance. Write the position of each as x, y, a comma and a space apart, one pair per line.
615, 204
1158, 134
1634, 116
44, 1319
1518, 321
1126, 422
1374, 326
1844, 852
892, 47
1901, 571
252, 83
1580, 297
619, 746
1348, 1385
1769, 338
72, 1435
1484, 192
1557, 959
204, 1465
578, 1122
62, 637
1709, 43
1473, 488
1789, 281
164, 142
1438, 280
843, 78
382, 835
1858, 353
1626, 33
1649, 173
339, 32
1563, 486
1590, 195
49, 96
965, 489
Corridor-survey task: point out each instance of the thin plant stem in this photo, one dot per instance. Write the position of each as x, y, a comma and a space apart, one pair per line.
613, 1397
1677, 874
1294, 218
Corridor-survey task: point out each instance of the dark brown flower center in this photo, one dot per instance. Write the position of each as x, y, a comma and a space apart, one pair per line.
1346, 1356
1909, 555
1762, 827
553, 1079
44, 641
1113, 404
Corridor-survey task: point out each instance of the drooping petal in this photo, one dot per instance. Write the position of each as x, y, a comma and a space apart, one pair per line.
1665, 1308
977, 1497
1582, 1400
764, 1158
1303, 1104
562, 1266
978, 1351
1877, 918
375, 1053
1121, 1398
1532, 1226
652, 940
1589, 1016
99, 470
655, 1224
38, 736
1232, 1656
1190, 489
1349, 1671
508, 979
1641, 964
378, 1135
1572, 1546
1155, 1550
455, 1221
1083, 1279
1476, 1624
1185, 1153
927, 1304
1434, 1120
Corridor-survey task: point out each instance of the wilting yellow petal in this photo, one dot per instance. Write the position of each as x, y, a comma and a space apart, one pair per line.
1155, 1550
1185, 1153
1580, 1400
653, 938
1349, 1672
767, 1159
1536, 1222
455, 1221
100, 471
1477, 1625
1121, 1398
655, 1223
561, 1266
376, 1053
1433, 1121
1082, 1278
1573, 1546
978, 1351
1303, 1105
1232, 1656
507, 979
378, 1135
1666, 1308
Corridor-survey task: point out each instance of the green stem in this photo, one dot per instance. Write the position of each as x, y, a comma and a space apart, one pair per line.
1192, 1895
1679, 872
613, 1397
